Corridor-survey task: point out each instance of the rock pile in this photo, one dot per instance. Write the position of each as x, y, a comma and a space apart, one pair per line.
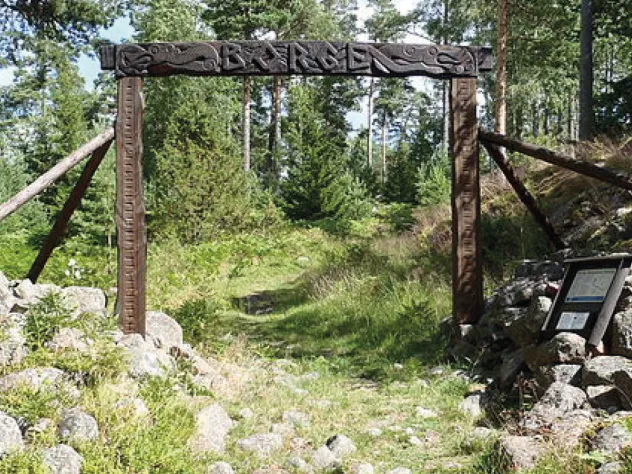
578, 391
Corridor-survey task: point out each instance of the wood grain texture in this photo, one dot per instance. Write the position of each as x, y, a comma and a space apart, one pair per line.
524, 195
56, 172
130, 207
467, 268
72, 203
610, 176
268, 58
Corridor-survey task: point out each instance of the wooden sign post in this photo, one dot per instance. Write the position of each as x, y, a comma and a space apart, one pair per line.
461, 64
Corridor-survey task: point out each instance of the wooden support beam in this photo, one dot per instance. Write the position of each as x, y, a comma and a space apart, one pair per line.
72, 203
52, 175
524, 194
130, 207
467, 268
616, 178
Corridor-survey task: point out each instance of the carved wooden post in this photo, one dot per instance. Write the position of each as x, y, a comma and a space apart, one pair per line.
467, 266
130, 206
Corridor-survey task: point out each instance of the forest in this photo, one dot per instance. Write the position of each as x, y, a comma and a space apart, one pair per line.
299, 233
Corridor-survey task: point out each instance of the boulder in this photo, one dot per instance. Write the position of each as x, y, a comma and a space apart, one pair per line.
605, 397
510, 368
12, 341
71, 339
622, 334
474, 403
362, 468
611, 439
298, 464
524, 325
601, 370
164, 330
220, 467
623, 383
296, 418
426, 413
547, 375
324, 460
616, 467
564, 348
341, 445
212, 425
521, 452
144, 359
559, 400
62, 459
86, 300
135, 407
568, 432
263, 445
10, 435
41, 378
400, 470
548, 269
77, 426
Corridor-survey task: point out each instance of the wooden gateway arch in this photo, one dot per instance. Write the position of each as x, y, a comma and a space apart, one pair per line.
460, 65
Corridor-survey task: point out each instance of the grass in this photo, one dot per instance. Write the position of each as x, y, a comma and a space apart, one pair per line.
349, 334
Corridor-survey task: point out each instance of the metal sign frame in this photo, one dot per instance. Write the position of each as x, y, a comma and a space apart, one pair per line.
593, 312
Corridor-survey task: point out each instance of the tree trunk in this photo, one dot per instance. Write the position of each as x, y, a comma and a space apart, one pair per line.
246, 120
501, 68
275, 129
586, 74
369, 140
384, 149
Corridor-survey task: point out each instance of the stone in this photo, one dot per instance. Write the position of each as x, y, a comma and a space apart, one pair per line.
77, 426
374, 432
611, 439
62, 459
623, 383
220, 467
510, 368
135, 407
296, 418
246, 414
568, 431
144, 359
603, 396
523, 325
341, 445
26, 290
474, 404
164, 329
263, 445
521, 452
564, 348
547, 375
13, 348
41, 378
212, 425
10, 435
622, 333
425, 413
414, 441
86, 300
559, 400
325, 460
72, 339
481, 433
362, 468
299, 464
611, 468
400, 470
600, 370
550, 269
283, 429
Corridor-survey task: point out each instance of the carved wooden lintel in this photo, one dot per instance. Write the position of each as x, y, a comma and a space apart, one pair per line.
252, 58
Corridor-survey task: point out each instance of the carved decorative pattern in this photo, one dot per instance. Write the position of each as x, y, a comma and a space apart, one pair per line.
130, 208
467, 277
297, 57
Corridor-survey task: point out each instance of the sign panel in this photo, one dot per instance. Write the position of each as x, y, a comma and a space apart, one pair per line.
588, 297
591, 286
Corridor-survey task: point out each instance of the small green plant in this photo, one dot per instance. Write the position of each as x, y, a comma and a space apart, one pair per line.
45, 317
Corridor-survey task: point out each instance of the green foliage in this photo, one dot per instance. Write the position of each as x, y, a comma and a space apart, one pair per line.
45, 317
398, 216
434, 182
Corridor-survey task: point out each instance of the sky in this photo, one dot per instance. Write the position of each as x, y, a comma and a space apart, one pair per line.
121, 30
